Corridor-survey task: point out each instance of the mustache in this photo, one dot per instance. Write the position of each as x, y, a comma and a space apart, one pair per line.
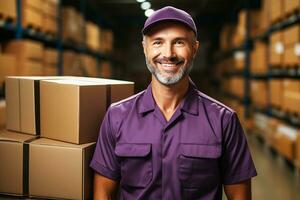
169, 60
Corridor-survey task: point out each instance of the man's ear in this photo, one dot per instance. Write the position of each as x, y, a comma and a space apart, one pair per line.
144, 45
196, 47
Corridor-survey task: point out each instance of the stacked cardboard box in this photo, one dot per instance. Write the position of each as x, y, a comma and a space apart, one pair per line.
50, 62
105, 69
237, 86
8, 9
106, 41
226, 37
291, 38
89, 64
29, 56
239, 60
290, 7
261, 125
2, 114
291, 95
276, 49
285, 139
298, 152
92, 36
79, 104
14, 162
276, 93
7, 66
32, 14
72, 64
259, 94
73, 26
276, 10
261, 18
50, 16
258, 64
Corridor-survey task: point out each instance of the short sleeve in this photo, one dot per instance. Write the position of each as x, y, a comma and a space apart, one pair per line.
104, 160
236, 161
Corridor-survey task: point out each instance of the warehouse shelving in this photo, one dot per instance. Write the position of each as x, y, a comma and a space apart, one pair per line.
50, 40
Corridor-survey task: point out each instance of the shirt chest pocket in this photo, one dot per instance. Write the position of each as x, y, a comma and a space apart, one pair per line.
198, 165
136, 164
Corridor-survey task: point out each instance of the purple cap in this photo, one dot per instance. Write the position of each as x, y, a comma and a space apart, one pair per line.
169, 13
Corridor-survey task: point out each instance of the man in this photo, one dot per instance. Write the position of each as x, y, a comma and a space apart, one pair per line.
171, 141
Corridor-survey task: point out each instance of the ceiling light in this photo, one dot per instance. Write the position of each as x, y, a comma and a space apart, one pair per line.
149, 12
140, 1
145, 5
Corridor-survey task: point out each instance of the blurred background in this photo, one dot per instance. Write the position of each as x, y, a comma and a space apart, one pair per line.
249, 59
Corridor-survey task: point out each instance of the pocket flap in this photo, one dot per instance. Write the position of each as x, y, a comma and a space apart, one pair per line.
200, 150
132, 150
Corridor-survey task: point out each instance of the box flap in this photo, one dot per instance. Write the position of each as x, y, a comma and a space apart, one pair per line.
49, 142
6, 135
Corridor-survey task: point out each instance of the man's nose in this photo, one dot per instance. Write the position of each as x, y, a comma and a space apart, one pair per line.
168, 51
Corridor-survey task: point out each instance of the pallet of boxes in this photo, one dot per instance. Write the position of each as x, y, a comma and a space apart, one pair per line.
52, 127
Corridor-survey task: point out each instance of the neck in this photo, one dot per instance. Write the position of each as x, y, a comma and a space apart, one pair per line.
169, 97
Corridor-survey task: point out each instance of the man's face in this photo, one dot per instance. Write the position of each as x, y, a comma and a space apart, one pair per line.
169, 49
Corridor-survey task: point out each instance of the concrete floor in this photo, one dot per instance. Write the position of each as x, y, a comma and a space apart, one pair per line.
276, 180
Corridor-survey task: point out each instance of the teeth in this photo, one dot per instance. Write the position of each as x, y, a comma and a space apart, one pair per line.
167, 65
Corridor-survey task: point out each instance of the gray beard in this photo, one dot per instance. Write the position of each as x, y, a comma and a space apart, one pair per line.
172, 79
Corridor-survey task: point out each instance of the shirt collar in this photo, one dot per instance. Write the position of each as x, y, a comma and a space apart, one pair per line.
191, 100
189, 104
147, 102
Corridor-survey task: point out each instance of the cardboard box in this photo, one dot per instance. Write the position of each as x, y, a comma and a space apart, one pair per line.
22, 104
291, 35
292, 85
276, 49
24, 49
7, 66
2, 114
72, 110
50, 8
72, 64
290, 6
14, 162
89, 64
286, 137
291, 102
298, 151
32, 18
8, 9
73, 25
51, 160
50, 24
117, 89
50, 56
290, 59
258, 62
92, 36
50, 70
276, 11
259, 87
29, 68
105, 70
33, 4
276, 92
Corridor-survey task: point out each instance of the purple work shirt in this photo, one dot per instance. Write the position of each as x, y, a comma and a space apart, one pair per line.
191, 156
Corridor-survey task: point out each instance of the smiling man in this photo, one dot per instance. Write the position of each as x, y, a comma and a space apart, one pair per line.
171, 141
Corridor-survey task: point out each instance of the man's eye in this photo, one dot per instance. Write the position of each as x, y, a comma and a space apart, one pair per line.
156, 43
179, 42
